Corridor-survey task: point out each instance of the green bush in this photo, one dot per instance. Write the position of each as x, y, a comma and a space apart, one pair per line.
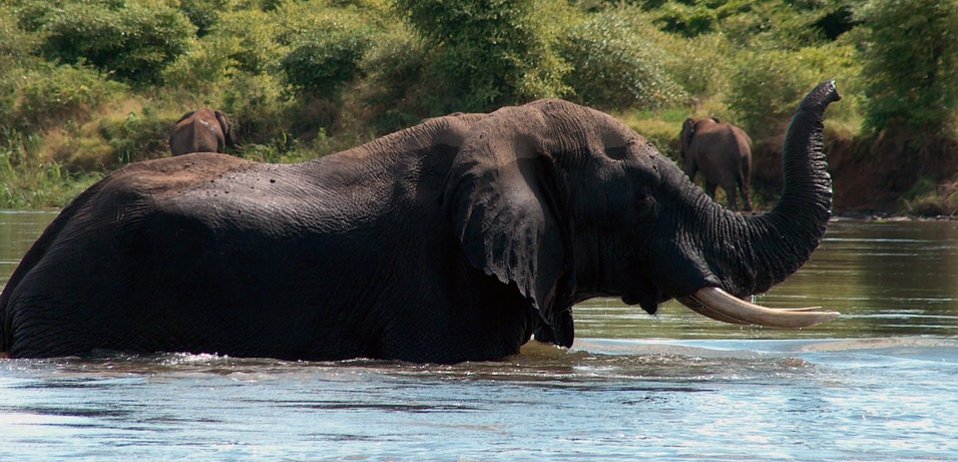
765, 89
911, 64
485, 53
700, 65
324, 46
14, 41
137, 136
767, 86
16, 49
204, 14
322, 61
615, 66
130, 41
393, 86
256, 105
257, 51
206, 67
26, 181
52, 95
239, 42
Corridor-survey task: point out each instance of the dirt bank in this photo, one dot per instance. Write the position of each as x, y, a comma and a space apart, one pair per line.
883, 174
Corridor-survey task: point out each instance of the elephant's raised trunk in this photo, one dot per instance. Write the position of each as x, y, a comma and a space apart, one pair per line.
785, 237
768, 248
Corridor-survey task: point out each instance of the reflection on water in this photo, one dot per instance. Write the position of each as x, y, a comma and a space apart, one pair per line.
879, 384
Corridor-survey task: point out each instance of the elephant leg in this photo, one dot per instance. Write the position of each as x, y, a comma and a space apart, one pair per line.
710, 189
730, 196
746, 200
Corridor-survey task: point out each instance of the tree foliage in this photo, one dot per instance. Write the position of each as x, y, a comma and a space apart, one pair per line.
131, 41
615, 66
85, 83
911, 64
489, 51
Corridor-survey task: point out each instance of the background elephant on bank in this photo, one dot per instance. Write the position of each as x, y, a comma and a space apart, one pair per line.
204, 130
451, 240
722, 153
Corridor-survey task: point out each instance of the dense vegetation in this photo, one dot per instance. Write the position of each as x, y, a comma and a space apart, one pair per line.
89, 85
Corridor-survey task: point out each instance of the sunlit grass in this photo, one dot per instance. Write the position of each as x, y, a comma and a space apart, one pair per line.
27, 182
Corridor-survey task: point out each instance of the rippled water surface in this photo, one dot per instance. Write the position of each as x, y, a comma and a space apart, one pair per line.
879, 384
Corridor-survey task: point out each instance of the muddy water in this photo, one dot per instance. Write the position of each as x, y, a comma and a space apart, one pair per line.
880, 384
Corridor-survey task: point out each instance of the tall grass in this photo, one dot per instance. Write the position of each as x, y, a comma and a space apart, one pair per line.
28, 182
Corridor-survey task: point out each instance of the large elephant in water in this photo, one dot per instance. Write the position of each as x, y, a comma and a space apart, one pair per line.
204, 130
722, 153
452, 240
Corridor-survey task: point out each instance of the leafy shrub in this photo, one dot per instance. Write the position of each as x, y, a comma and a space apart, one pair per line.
700, 65
257, 107
766, 87
54, 94
27, 181
322, 61
16, 49
688, 20
204, 14
325, 47
911, 64
393, 87
14, 41
206, 67
257, 51
764, 90
614, 66
133, 42
486, 52
137, 136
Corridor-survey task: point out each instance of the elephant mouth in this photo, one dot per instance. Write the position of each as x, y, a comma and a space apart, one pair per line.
719, 305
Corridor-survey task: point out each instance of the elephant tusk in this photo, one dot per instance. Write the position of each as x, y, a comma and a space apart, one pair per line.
722, 306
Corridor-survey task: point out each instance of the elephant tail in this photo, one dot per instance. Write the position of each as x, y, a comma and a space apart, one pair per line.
32, 257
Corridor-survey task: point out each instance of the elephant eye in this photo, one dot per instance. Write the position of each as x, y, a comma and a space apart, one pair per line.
617, 153
647, 208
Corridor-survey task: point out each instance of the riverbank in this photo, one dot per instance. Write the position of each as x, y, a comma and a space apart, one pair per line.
40, 186
882, 175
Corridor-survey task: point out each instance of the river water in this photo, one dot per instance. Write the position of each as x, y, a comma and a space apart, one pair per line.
879, 384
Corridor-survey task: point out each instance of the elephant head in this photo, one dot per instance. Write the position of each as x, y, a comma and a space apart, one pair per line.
685, 137
204, 130
570, 204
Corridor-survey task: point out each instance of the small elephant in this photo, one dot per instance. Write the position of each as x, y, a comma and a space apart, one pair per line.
204, 130
722, 153
453, 240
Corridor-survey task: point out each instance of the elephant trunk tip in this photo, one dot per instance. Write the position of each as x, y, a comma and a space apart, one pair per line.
823, 95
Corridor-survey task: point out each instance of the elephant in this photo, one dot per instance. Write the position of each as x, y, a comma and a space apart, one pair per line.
204, 130
722, 153
453, 240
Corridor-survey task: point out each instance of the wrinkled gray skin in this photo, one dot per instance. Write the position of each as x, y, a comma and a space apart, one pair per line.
722, 153
449, 241
204, 130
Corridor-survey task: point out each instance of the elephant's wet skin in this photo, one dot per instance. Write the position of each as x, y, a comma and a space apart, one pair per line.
452, 240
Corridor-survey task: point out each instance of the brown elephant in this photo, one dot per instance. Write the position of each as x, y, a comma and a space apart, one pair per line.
204, 130
722, 153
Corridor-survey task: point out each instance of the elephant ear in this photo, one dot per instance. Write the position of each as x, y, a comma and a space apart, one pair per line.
504, 199
227, 129
688, 131
186, 116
